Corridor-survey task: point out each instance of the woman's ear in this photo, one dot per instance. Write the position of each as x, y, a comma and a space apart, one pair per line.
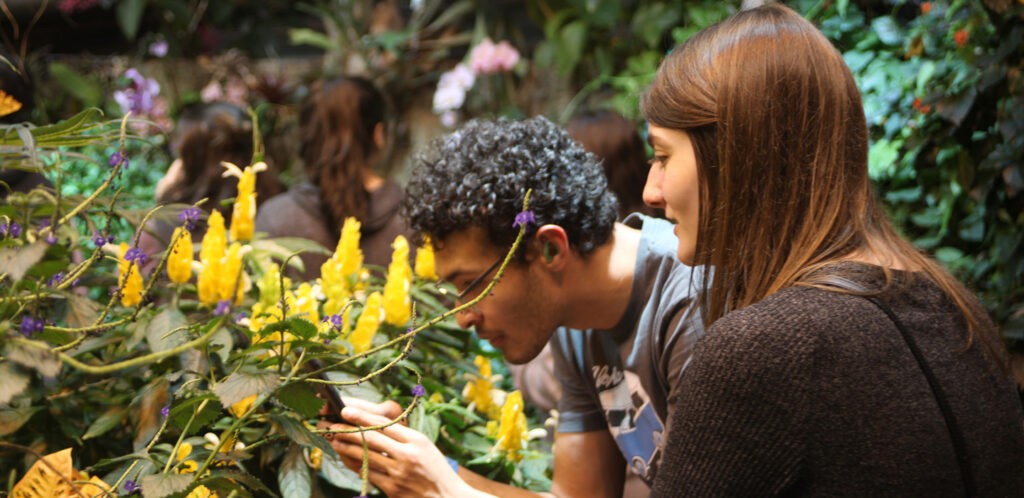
553, 246
379, 138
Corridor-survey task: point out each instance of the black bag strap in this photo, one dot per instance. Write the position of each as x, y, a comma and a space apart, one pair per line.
955, 434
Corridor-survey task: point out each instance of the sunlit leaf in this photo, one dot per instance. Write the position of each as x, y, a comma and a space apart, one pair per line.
161, 485
167, 330
336, 473
12, 383
40, 359
242, 384
16, 261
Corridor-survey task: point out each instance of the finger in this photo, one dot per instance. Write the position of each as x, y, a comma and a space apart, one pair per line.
380, 442
352, 455
397, 432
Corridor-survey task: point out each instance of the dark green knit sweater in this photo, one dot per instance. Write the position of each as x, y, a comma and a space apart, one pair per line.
815, 393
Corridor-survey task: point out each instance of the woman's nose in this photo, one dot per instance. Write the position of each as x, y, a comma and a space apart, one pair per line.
652, 189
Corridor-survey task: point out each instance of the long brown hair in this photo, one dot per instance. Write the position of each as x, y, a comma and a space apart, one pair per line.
209, 133
781, 142
338, 143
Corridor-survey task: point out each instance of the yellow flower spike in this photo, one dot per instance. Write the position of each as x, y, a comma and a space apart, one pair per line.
478, 390
215, 242
397, 305
348, 253
512, 429
306, 303
129, 278
8, 104
179, 261
425, 260
243, 406
228, 281
362, 337
270, 285
244, 211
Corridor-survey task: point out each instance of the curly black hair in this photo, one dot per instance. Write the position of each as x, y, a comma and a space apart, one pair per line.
478, 176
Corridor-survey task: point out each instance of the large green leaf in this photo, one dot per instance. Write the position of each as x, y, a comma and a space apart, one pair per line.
11, 419
109, 420
166, 330
302, 398
297, 432
161, 485
294, 477
82, 87
129, 17
41, 359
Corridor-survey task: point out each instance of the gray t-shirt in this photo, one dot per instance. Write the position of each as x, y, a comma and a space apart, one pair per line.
625, 379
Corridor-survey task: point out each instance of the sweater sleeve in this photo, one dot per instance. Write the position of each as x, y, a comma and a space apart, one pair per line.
735, 429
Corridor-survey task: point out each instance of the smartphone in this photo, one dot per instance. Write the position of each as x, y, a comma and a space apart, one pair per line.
327, 392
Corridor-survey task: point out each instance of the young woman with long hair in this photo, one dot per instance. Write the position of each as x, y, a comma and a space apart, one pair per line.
342, 137
839, 360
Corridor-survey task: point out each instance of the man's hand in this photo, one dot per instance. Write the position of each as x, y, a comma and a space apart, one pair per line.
402, 461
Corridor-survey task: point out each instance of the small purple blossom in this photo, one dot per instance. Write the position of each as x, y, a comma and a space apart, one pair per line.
136, 255
75, 282
131, 486
223, 308
139, 96
98, 239
158, 48
12, 229
116, 158
240, 316
56, 279
51, 238
31, 325
524, 218
165, 411
336, 321
327, 342
419, 390
189, 216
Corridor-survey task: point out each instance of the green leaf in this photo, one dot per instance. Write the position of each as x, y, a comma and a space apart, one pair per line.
570, 46
16, 261
53, 135
12, 383
161, 485
948, 255
81, 311
242, 384
182, 412
294, 477
297, 432
301, 397
226, 481
11, 419
129, 17
882, 157
301, 327
336, 473
81, 87
887, 30
159, 333
427, 423
41, 359
110, 419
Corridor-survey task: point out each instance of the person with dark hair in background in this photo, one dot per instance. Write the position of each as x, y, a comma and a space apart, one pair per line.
615, 140
206, 134
342, 136
839, 360
19, 92
619, 286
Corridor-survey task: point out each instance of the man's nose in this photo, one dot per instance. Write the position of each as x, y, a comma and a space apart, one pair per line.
467, 317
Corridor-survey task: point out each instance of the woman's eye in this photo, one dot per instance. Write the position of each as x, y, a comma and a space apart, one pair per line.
657, 161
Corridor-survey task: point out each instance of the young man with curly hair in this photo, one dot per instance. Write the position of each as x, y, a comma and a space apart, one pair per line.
613, 295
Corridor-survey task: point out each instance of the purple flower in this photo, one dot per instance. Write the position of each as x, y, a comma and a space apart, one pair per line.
116, 158
419, 390
51, 238
336, 321
31, 325
12, 229
130, 486
240, 316
223, 308
56, 279
98, 239
139, 96
165, 411
158, 48
524, 218
188, 216
136, 255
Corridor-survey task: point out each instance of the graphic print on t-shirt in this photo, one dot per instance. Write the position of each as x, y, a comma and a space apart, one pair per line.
632, 421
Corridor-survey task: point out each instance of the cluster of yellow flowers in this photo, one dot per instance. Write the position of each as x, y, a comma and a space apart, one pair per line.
512, 431
507, 422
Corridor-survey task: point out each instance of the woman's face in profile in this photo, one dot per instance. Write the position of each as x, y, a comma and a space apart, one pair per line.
672, 185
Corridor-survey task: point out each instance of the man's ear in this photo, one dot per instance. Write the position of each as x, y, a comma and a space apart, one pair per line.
552, 245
